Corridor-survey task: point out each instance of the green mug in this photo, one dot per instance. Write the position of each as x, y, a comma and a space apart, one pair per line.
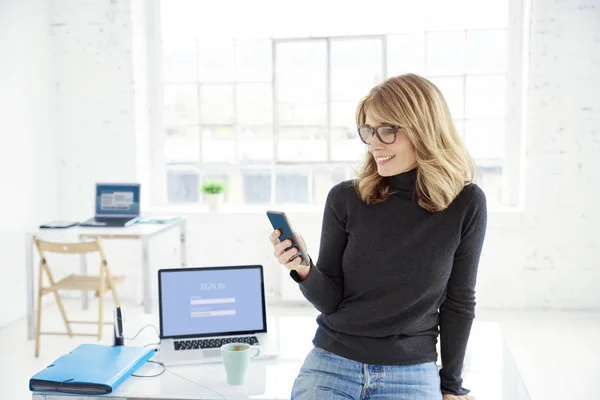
236, 358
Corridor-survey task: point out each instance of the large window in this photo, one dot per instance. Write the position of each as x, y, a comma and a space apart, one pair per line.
262, 94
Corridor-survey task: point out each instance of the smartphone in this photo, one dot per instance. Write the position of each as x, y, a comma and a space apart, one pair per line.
279, 221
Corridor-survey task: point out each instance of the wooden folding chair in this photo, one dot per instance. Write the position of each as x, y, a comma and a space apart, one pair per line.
99, 284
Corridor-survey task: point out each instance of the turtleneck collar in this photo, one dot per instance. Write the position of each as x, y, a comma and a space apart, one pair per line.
404, 181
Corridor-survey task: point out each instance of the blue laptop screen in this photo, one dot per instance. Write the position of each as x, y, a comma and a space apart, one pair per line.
206, 301
117, 200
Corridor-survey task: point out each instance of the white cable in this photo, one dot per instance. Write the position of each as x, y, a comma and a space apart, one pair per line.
140, 331
168, 370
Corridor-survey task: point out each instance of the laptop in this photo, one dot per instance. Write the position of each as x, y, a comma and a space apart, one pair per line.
117, 205
200, 309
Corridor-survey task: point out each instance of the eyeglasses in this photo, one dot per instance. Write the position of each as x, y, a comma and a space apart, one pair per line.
385, 133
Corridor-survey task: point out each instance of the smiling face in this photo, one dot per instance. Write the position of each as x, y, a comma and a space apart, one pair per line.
391, 159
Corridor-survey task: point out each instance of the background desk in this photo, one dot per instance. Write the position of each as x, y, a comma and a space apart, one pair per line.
489, 369
136, 231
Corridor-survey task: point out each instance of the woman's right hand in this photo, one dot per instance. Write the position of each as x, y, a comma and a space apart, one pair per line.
283, 256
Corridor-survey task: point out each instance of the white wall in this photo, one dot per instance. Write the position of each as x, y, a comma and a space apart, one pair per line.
548, 257
27, 150
92, 71
543, 257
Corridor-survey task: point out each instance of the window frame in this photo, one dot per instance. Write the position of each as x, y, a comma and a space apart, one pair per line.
512, 165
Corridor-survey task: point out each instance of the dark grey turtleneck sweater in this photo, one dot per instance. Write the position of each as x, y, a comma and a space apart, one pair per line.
392, 276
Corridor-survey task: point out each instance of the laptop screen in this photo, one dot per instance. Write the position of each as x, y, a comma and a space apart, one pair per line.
117, 200
211, 301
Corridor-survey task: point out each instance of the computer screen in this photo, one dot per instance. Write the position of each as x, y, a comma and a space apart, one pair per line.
118, 199
211, 301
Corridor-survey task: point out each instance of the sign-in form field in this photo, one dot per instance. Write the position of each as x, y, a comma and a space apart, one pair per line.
226, 300
212, 313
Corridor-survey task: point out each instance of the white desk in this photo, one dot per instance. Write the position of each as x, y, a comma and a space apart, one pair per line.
136, 231
489, 369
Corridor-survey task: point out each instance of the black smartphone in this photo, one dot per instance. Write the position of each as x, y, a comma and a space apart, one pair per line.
279, 221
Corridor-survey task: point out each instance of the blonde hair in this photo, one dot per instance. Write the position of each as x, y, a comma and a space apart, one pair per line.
444, 166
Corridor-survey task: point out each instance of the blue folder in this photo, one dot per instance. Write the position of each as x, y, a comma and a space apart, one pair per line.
90, 369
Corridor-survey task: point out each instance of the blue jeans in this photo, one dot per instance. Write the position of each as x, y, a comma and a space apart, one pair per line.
325, 376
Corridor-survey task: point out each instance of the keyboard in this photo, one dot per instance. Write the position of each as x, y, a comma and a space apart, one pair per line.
213, 343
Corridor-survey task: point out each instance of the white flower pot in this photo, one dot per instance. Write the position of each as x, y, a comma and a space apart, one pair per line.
214, 201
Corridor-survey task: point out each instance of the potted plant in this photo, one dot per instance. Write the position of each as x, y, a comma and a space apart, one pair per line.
213, 193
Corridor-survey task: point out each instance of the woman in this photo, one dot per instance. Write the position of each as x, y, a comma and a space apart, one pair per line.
397, 265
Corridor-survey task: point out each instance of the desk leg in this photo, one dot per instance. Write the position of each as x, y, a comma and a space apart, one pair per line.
84, 271
30, 285
146, 275
183, 240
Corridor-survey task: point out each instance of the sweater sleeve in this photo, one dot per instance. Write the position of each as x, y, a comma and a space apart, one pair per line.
323, 287
458, 309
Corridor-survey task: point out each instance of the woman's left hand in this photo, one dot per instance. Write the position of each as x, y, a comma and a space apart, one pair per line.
453, 397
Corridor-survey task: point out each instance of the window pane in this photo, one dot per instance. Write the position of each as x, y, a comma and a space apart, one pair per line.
216, 61
302, 113
324, 178
460, 127
344, 113
257, 186
291, 187
302, 144
446, 53
406, 54
301, 83
486, 52
182, 186
255, 103
453, 90
490, 180
181, 105
486, 139
216, 104
301, 69
218, 144
182, 145
253, 60
180, 61
256, 144
485, 14
486, 97
346, 145
405, 16
445, 15
328, 19
356, 66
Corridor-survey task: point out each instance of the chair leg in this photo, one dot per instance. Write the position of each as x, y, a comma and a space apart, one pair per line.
61, 307
115, 297
59, 302
101, 301
112, 287
38, 318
